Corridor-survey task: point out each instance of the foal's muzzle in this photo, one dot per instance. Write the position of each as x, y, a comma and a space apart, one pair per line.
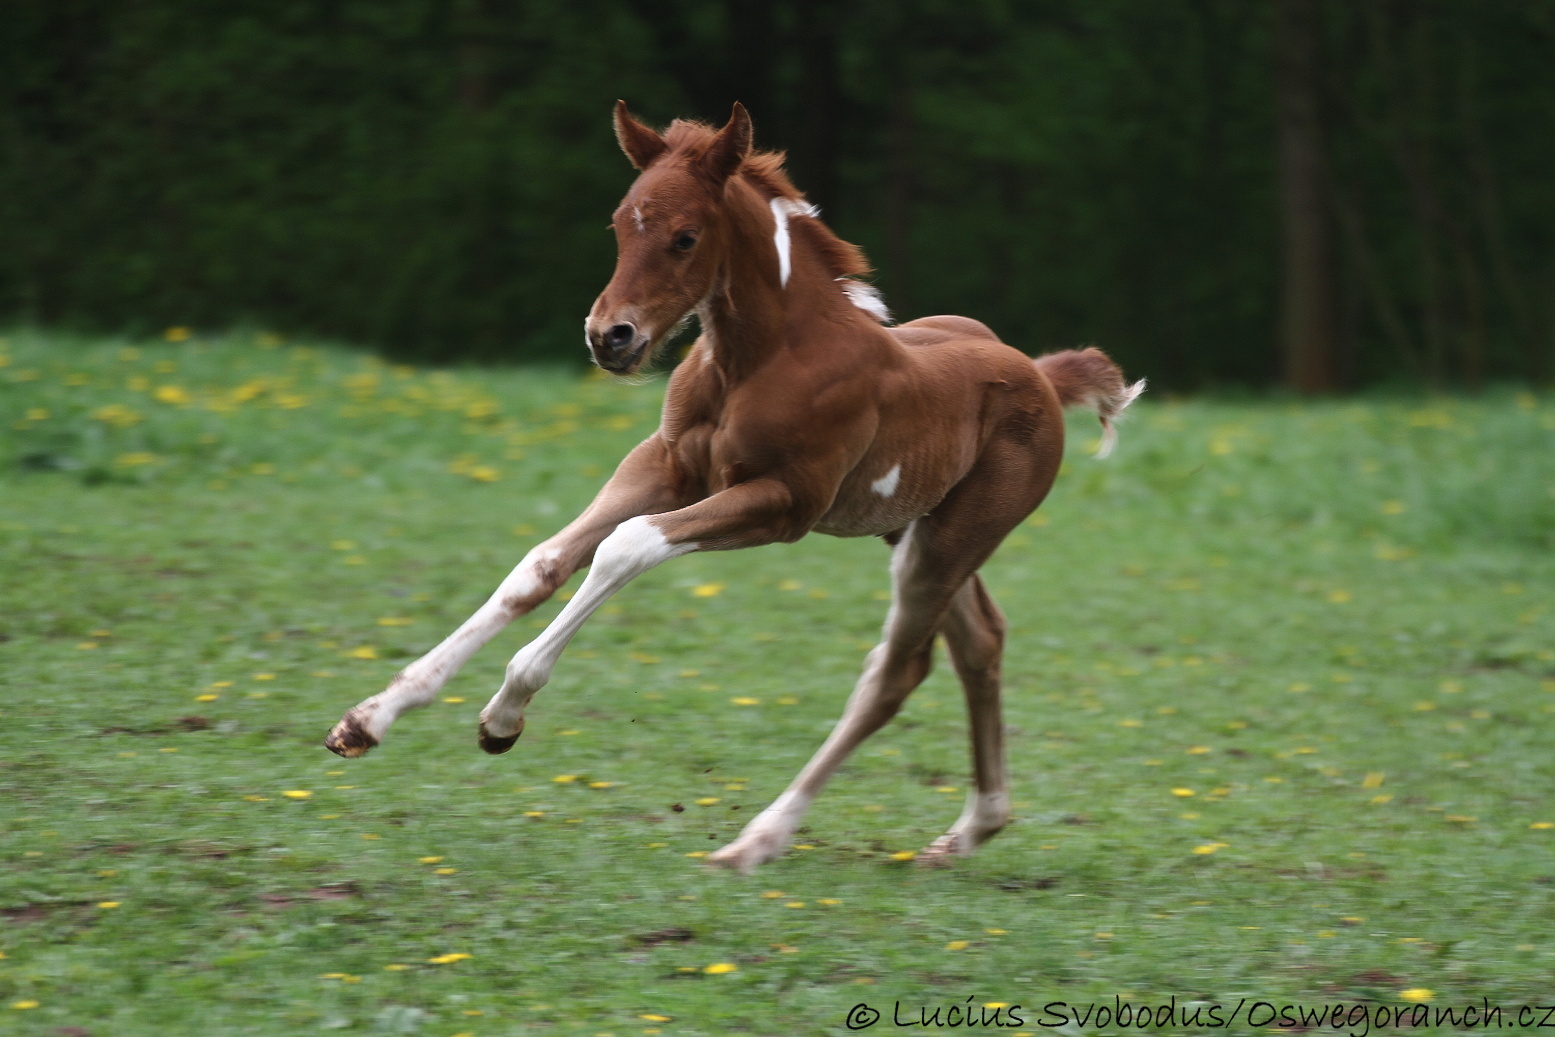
617, 347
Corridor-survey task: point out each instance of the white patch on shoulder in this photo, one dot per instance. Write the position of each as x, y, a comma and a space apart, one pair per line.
886, 484
637, 215
866, 297
782, 209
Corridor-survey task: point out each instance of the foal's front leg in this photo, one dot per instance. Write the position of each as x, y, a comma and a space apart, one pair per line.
746, 515
638, 486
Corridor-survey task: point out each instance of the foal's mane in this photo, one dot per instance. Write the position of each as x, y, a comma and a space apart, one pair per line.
688, 139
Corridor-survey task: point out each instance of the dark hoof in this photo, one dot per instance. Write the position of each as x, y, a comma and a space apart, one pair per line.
497, 746
349, 738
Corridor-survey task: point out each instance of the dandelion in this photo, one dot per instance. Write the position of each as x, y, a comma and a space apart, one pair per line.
297, 794
707, 801
1417, 994
1183, 793
395, 621
1393, 507
1339, 597
445, 871
206, 698
652, 1018
957, 945
178, 333
707, 590
135, 459
1197, 750
449, 959
363, 652
22, 1006
108, 905
453, 700
1205, 849
343, 545
720, 968
795, 904
565, 779
601, 784
172, 394
903, 855
1540, 826
745, 700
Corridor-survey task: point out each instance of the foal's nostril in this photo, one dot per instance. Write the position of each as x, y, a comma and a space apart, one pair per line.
620, 335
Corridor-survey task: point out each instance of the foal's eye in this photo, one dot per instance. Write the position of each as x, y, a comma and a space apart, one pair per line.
684, 242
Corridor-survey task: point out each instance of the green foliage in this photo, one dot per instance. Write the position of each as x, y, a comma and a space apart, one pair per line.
1323, 619
432, 176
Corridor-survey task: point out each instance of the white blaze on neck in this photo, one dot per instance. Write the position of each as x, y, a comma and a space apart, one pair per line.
782, 209
886, 484
637, 215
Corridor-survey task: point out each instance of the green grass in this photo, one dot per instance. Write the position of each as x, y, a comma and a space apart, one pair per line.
1331, 621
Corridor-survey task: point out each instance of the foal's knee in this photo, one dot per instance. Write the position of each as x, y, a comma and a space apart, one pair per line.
531, 582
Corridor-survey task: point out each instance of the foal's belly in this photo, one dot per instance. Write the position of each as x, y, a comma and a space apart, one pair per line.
875, 500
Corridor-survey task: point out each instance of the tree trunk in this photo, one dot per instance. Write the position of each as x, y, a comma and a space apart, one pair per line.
1309, 314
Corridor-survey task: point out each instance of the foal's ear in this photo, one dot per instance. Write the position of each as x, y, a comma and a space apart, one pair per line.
640, 143
730, 147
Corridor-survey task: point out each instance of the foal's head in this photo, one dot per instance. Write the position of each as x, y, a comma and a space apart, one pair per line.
672, 231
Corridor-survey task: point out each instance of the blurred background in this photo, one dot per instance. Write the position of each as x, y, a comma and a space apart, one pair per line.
1317, 193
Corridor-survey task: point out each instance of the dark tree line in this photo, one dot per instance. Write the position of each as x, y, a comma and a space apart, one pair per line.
1316, 191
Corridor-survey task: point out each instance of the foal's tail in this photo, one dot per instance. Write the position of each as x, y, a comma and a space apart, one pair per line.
1088, 378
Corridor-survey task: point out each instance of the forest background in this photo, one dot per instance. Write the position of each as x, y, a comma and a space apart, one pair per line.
1314, 192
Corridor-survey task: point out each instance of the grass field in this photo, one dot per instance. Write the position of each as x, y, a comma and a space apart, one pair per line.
1280, 694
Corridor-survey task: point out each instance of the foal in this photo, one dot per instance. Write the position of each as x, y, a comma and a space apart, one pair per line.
796, 411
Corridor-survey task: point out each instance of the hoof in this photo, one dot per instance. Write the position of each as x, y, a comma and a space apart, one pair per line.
497, 746
349, 738
941, 853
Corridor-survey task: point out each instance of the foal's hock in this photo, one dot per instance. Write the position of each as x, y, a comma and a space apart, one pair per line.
797, 410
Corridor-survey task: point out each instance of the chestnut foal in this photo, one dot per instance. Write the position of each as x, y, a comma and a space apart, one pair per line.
796, 411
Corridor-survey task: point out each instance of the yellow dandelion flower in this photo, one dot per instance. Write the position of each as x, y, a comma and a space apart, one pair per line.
453, 700
720, 968
395, 967
904, 855
789, 585
371, 835
207, 697
745, 700
795, 903
449, 959
828, 901
1542, 825
363, 652
534, 813
773, 894
297, 794
395, 621
708, 590
108, 905
173, 394
653, 1018
178, 333
264, 676
601, 784
1373, 780
257, 799
565, 779
707, 801
957, 945
1197, 750
1183, 793
429, 860
1382, 800
997, 932
696, 853
22, 1006
445, 871
1417, 994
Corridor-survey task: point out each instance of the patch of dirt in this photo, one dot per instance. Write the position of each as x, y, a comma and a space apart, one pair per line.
1015, 885
659, 936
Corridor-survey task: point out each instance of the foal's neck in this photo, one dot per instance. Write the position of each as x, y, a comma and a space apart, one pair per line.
750, 314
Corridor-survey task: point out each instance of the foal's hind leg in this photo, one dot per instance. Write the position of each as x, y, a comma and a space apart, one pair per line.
974, 633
